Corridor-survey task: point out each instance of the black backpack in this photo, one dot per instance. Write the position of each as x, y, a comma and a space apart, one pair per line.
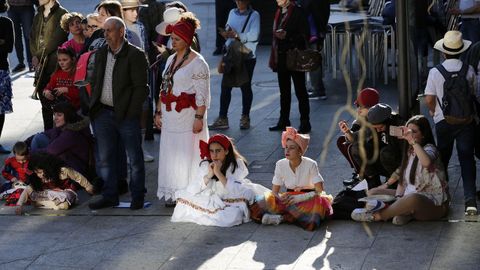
345, 202
457, 102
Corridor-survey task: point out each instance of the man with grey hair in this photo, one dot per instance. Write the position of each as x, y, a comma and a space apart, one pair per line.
119, 89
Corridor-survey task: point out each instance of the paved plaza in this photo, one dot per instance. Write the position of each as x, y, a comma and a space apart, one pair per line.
146, 239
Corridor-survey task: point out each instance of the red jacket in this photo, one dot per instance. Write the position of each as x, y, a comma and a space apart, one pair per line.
64, 79
13, 168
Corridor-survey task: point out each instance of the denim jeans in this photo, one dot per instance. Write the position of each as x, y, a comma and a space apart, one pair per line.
109, 134
22, 17
247, 95
464, 136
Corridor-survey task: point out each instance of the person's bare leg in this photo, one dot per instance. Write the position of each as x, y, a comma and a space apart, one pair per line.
419, 206
381, 190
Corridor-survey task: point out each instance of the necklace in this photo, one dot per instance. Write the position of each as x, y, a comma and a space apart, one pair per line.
167, 81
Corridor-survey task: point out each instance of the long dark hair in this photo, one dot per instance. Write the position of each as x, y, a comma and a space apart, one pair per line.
51, 166
230, 159
424, 126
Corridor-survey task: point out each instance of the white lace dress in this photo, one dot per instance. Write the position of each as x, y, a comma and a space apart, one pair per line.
179, 147
214, 204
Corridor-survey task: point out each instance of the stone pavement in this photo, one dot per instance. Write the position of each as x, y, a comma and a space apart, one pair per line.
146, 239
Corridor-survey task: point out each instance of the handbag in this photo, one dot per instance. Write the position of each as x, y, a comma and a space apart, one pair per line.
221, 65
303, 60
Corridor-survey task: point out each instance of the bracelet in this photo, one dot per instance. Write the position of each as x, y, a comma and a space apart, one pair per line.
158, 113
414, 142
199, 116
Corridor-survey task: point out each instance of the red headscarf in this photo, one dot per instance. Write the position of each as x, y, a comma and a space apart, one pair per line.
183, 29
221, 139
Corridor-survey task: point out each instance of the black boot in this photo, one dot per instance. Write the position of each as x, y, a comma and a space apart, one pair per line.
280, 126
305, 127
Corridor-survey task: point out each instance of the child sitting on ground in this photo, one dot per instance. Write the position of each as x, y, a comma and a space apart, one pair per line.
52, 184
15, 168
305, 203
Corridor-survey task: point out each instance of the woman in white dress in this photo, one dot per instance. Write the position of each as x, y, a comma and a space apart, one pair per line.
181, 111
220, 195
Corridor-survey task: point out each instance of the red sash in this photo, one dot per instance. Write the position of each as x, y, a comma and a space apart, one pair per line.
183, 101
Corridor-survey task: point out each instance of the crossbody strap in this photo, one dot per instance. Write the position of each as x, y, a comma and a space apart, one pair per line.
248, 18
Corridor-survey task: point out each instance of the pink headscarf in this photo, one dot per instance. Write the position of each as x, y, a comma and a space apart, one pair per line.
301, 139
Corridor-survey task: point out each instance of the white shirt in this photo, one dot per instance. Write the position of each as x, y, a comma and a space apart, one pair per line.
305, 176
465, 4
435, 83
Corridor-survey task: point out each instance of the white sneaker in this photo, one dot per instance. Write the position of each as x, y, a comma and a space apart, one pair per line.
471, 211
270, 219
362, 214
374, 205
147, 157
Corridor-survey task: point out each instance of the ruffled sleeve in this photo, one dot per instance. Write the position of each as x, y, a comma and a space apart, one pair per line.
201, 82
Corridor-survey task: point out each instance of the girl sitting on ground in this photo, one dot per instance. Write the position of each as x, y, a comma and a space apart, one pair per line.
422, 188
305, 202
60, 87
222, 194
52, 184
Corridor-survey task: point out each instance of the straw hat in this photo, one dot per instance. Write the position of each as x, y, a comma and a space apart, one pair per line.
452, 43
126, 4
170, 16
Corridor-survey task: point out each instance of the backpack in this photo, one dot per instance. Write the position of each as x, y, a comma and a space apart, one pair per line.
457, 102
345, 202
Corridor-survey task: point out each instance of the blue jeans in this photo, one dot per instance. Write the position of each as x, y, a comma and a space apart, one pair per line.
109, 134
470, 29
464, 136
22, 17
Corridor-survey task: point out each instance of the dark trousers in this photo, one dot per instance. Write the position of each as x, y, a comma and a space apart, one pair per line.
464, 136
109, 134
222, 8
22, 17
316, 77
47, 111
389, 159
285, 77
247, 94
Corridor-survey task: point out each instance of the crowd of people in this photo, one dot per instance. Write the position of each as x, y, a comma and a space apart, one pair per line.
97, 91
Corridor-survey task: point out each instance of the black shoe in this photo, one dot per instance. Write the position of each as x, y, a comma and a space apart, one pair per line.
170, 203
102, 203
136, 204
351, 181
30, 68
471, 208
218, 51
18, 68
280, 126
305, 127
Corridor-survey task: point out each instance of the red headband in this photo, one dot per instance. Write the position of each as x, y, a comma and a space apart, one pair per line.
221, 139
183, 29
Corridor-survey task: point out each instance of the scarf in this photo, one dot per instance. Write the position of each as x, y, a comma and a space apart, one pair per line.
279, 24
